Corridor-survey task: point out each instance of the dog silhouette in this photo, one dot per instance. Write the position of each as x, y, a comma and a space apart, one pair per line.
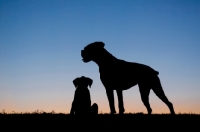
81, 104
119, 75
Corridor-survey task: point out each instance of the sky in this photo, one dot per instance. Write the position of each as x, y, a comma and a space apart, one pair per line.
41, 43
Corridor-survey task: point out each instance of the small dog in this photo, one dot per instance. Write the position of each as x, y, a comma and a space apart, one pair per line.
81, 104
119, 75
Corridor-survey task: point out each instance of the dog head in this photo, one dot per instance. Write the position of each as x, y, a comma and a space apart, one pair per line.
91, 51
82, 82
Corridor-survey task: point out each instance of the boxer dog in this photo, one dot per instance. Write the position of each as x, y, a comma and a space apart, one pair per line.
119, 75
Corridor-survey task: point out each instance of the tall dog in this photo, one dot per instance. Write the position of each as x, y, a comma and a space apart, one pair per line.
81, 104
119, 75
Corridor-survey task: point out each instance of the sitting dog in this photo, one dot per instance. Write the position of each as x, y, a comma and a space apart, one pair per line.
119, 75
81, 104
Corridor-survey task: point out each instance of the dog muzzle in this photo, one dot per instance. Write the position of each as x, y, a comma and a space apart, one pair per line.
85, 59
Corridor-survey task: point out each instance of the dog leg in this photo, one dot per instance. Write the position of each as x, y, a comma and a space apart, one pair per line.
144, 92
120, 101
94, 109
110, 96
72, 109
157, 88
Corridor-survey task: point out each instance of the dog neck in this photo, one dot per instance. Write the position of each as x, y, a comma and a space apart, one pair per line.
105, 59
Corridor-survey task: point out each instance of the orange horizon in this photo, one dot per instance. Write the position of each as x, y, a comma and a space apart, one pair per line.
133, 105
140, 109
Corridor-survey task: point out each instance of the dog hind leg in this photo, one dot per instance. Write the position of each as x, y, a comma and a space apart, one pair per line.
144, 92
94, 109
157, 88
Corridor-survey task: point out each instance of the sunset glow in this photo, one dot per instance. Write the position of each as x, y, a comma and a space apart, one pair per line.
41, 43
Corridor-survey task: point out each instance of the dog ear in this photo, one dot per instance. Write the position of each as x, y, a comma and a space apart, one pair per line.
76, 82
100, 44
90, 81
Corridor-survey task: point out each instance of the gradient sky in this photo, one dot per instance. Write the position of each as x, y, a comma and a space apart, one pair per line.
41, 43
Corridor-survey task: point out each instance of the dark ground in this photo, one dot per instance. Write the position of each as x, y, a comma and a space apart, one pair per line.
101, 122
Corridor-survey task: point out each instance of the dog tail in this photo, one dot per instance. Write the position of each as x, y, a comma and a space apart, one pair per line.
157, 72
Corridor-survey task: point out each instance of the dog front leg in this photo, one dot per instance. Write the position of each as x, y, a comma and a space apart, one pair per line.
110, 96
120, 101
72, 109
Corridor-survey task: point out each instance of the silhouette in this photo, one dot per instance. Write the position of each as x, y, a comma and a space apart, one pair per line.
119, 75
81, 104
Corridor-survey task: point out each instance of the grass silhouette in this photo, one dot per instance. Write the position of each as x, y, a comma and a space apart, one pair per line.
40, 120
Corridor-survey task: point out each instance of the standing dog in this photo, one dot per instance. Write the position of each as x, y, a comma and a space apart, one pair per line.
119, 75
81, 104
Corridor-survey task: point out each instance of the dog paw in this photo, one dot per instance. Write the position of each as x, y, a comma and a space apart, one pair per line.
121, 112
173, 113
112, 112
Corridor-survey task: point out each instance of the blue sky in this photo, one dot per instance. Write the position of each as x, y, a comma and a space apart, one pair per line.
41, 42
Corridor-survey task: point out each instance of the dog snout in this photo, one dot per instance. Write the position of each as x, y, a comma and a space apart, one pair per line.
82, 52
83, 55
